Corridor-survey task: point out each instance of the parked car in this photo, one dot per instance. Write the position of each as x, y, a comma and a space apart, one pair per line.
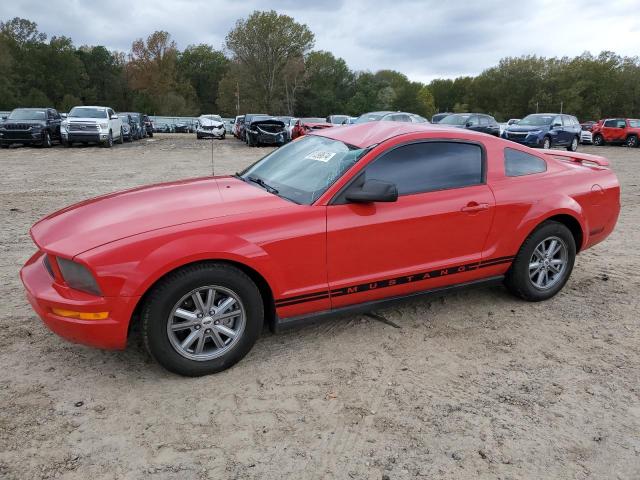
247, 119
31, 126
161, 127
182, 127
290, 126
137, 124
92, 125
337, 119
129, 126
210, 126
344, 219
546, 130
439, 116
238, 125
478, 122
588, 125
508, 123
617, 131
265, 131
148, 125
390, 117
228, 125
306, 125
586, 138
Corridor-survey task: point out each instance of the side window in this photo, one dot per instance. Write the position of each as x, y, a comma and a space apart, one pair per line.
428, 166
484, 121
622, 123
517, 163
50, 115
473, 121
557, 120
610, 123
110, 113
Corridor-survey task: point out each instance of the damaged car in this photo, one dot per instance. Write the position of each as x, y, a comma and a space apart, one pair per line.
265, 130
210, 126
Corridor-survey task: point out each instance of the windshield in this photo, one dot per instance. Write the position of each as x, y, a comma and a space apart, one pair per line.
313, 120
215, 118
339, 119
455, 119
370, 117
536, 120
303, 170
88, 112
27, 115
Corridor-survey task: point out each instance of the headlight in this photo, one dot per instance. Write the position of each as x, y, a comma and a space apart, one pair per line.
104, 126
78, 276
535, 132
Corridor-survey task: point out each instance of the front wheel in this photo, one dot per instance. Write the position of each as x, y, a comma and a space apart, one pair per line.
46, 139
543, 264
546, 143
121, 137
202, 319
632, 141
573, 146
598, 140
109, 141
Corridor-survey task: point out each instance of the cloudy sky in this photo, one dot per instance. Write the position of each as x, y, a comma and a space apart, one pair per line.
424, 39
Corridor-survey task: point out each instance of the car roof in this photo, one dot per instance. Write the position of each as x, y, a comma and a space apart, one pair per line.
364, 135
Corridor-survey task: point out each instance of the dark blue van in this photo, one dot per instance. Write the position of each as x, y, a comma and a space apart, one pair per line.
546, 130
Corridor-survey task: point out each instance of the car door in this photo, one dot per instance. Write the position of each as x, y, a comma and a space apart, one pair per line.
610, 130
430, 237
557, 131
473, 123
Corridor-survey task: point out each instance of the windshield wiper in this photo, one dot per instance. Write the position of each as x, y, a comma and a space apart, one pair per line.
263, 184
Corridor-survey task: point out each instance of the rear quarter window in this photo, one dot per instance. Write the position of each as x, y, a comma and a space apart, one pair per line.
517, 163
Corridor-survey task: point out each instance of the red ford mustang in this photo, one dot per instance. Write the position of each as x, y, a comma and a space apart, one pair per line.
343, 219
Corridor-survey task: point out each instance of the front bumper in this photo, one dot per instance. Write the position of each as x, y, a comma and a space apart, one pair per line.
531, 140
21, 136
44, 295
268, 138
215, 133
93, 137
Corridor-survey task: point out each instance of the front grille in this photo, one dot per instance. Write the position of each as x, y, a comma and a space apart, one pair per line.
83, 127
517, 136
17, 126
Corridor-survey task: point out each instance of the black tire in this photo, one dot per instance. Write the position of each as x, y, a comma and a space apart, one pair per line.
150, 134
573, 146
223, 136
65, 143
109, 141
163, 298
598, 140
198, 136
632, 141
121, 138
46, 139
518, 280
546, 143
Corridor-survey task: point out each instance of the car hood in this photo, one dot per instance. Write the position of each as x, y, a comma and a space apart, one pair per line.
37, 123
86, 120
526, 128
208, 122
269, 121
91, 223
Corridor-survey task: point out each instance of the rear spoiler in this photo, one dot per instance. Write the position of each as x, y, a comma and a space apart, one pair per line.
579, 157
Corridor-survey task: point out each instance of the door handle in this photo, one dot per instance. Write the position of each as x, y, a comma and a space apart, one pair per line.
474, 207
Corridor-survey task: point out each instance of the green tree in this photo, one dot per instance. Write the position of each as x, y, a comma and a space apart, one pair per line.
203, 67
264, 44
328, 85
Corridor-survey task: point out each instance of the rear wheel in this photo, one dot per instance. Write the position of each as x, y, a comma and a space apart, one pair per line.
598, 140
546, 143
121, 138
202, 319
543, 264
573, 146
632, 141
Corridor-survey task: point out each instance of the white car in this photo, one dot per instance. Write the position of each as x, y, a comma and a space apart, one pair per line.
586, 137
210, 126
503, 126
92, 125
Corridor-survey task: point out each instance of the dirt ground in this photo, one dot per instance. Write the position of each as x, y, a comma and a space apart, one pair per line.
474, 385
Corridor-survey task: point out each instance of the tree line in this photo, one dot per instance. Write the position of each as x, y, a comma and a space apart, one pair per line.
269, 65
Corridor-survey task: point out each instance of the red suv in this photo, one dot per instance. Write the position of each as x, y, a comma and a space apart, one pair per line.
616, 131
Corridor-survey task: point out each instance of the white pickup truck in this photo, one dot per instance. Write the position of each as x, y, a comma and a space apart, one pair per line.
92, 125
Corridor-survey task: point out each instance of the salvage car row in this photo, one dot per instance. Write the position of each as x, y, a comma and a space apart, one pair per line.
83, 124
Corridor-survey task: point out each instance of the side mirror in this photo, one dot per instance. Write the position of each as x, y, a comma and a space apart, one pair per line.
372, 191
468, 124
113, 117
557, 125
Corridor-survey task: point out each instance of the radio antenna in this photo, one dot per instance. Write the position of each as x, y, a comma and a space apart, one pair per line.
213, 172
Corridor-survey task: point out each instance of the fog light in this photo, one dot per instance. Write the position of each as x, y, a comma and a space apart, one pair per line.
80, 315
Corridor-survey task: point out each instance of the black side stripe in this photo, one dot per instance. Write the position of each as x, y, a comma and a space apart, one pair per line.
416, 277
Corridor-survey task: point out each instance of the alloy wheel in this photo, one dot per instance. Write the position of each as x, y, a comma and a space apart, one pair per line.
206, 323
548, 263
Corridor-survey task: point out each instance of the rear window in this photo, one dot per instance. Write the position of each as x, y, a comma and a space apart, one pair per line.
517, 163
634, 123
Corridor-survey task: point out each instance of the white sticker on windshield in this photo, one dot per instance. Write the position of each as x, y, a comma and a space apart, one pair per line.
320, 156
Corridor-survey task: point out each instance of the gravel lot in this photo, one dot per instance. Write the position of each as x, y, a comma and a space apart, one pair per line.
474, 385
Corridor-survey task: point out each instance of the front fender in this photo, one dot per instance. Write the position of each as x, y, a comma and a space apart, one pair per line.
129, 267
